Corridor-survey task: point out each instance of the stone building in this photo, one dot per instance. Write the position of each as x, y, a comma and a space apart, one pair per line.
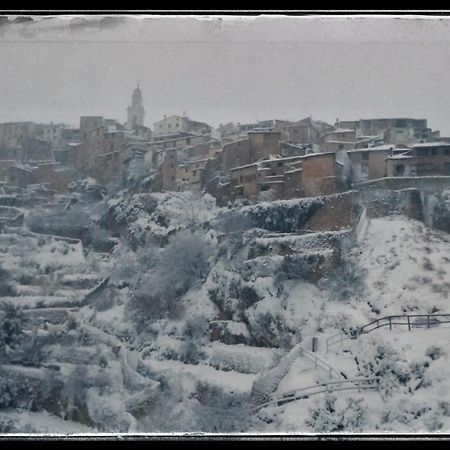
53, 133
280, 175
20, 175
338, 139
191, 172
305, 132
173, 124
13, 134
49, 174
88, 123
258, 145
320, 174
36, 149
167, 169
369, 163
425, 159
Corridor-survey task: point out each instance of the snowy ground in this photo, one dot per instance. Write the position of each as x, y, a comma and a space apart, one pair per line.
416, 411
404, 268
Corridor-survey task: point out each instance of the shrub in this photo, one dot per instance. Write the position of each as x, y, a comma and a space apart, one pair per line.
219, 411
6, 285
328, 417
345, 282
8, 391
434, 352
73, 223
233, 221
381, 360
12, 325
184, 262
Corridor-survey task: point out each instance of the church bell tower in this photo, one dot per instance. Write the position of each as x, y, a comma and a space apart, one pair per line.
135, 112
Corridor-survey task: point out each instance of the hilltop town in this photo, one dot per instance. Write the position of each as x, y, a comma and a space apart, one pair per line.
270, 160
180, 278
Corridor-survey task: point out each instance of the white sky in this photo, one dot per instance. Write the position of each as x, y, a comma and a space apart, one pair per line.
228, 69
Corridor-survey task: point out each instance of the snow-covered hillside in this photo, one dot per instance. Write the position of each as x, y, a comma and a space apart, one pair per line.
199, 315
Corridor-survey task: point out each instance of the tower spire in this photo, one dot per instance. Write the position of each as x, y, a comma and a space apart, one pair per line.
135, 112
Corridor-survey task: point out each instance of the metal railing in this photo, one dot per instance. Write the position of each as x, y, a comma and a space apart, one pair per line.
409, 320
329, 386
319, 363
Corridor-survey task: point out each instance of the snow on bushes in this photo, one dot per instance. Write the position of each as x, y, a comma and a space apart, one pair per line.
335, 415
183, 263
284, 216
75, 223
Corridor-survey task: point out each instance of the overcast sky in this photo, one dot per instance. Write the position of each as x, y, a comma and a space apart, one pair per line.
227, 69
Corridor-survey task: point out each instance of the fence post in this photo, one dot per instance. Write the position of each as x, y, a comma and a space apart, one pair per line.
428, 321
409, 324
390, 323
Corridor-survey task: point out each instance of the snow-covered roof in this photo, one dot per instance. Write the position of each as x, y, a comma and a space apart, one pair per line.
294, 171
287, 158
400, 156
310, 155
340, 142
384, 147
235, 142
338, 130
431, 144
263, 130
266, 181
243, 167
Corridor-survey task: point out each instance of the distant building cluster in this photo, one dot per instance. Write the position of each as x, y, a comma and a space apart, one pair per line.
273, 159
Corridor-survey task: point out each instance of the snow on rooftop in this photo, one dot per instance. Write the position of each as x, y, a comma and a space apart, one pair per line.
383, 147
401, 156
430, 144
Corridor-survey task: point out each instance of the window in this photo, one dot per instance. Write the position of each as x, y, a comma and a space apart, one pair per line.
188, 141
177, 125
400, 170
341, 147
434, 151
241, 179
169, 126
280, 164
365, 156
447, 151
172, 165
